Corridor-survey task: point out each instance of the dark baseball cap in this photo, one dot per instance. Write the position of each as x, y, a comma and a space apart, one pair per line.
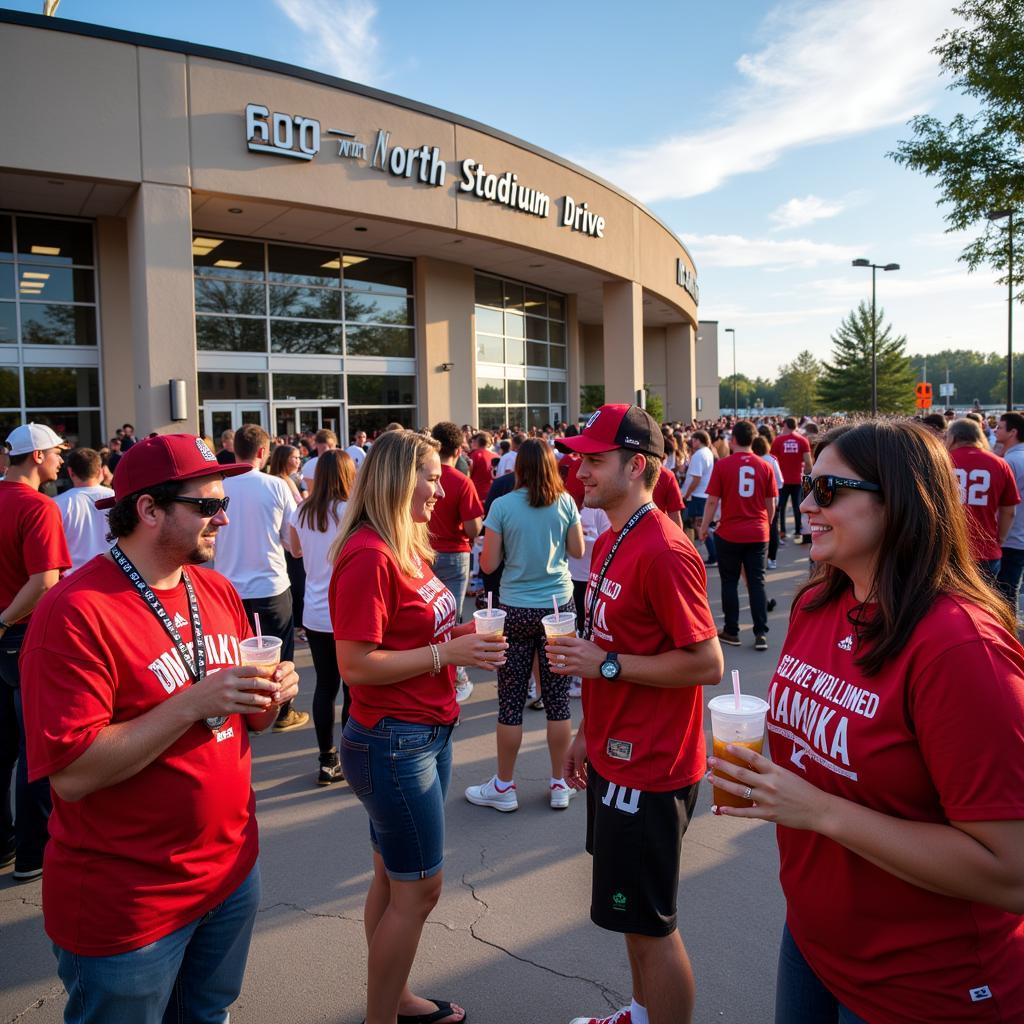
165, 459
617, 426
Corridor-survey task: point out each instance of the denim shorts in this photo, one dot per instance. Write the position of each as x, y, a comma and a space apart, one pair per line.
401, 772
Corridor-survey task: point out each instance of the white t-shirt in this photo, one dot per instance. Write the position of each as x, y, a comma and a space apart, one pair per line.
594, 522
506, 464
250, 549
308, 470
776, 468
356, 453
702, 462
316, 614
85, 526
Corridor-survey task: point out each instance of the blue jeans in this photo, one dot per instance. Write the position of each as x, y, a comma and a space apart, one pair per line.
192, 975
401, 772
452, 569
1011, 569
800, 997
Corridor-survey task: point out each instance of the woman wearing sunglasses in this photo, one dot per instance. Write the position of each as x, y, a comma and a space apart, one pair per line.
896, 728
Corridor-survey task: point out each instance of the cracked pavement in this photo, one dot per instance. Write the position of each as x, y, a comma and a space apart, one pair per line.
511, 939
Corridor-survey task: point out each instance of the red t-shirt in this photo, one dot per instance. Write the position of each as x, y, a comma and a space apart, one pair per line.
460, 502
653, 600
667, 495
743, 482
937, 737
32, 535
135, 861
789, 449
573, 484
986, 484
373, 601
481, 472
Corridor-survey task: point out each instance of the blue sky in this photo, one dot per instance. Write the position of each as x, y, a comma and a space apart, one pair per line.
757, 131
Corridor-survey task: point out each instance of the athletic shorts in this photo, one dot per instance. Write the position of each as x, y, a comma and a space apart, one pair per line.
635, 839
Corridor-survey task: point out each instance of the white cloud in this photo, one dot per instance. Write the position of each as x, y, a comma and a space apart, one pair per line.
341, 36
769, 253
799, 212
830, 70
894, 286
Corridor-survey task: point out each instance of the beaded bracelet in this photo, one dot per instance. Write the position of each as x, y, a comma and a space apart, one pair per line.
435, 654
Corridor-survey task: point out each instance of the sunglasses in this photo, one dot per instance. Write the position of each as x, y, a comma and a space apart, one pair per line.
825, 487
208, 507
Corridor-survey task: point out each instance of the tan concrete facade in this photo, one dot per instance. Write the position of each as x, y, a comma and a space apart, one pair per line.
150, 140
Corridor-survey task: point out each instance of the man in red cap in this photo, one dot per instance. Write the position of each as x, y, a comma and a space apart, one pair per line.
134, 705
649, 644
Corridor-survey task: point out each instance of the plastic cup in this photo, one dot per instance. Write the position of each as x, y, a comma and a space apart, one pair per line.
560, 624
490, 621
742, 728
265, 650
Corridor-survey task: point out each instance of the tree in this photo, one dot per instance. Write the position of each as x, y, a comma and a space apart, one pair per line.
591, 397
744, 392
798, 384
978, 160
655, 405
845, 382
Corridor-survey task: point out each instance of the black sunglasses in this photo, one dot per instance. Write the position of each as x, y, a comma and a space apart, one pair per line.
208, 507
825, 487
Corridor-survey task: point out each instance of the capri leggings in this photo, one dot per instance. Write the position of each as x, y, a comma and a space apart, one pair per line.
525, 636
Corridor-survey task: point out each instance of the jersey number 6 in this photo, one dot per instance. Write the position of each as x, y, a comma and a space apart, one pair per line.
747, 477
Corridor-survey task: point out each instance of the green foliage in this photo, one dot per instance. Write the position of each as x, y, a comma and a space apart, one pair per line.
797, 384
591, 397
655, 405
845, 382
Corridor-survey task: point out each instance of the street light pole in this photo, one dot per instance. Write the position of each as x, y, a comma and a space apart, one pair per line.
999, 215
874, 327
735, 389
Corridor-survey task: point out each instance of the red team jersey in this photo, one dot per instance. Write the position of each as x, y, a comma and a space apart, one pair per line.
653, 600
135, 861
667, 495
986, 484
573, 484
480, 470
33, 537
743, 483
373, 601
789, 450
938, 736
460, 503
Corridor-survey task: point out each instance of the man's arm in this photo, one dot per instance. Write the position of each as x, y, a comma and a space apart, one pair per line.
25, 600
1006, 516
709, 515
808, 463
676, 518
771, 504
472, 527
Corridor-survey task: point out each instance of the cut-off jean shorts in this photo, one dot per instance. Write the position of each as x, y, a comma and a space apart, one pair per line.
401, 772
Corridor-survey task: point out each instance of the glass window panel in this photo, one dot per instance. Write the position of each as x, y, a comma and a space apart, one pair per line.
536, 353
556, 307
378, 309
515, 352
516, 417
76, 427
558, 391
559, 413
57, 325
488, 291
292, 265
9, 393
54, 241
536, 302
377, 274
537, 392
514, 296
6, 238
6, 281
536, 328
298, 386
513, 325
305, 338
490, 391
10, 420
313, 303
490, 350
229, 386
491, 418
556, 332
227, 257
373, 421
8, 324
225, 334
60, 385
213, 296
489, 321
377, 389
380, 341
537, 415
55, 284
517, 391
557, 353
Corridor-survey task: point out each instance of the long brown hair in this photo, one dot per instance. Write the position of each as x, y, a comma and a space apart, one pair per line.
537, 472
924, 551
279, 460
333, 478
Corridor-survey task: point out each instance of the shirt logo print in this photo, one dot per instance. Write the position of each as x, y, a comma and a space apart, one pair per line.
179, 620
846, 644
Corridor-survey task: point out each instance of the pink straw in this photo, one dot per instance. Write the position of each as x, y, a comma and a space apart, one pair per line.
554, 602
490, 598
259, 632
736, 687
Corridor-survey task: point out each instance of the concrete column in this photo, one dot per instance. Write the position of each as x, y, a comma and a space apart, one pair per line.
117, 359
623, 341
574, 358
680, 357
163, 316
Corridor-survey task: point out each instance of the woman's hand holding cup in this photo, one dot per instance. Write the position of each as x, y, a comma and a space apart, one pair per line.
479, 650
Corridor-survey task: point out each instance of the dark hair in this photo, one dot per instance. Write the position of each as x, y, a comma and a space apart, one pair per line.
249, 439
481, 440
766, 432
448, 436
84, 463
537, 472
124, 516
790, 422
333, 480
924, 551
936, 421
760, 445
702, 436
743, 433
19, 460
652, 466
279, 459
1014, 421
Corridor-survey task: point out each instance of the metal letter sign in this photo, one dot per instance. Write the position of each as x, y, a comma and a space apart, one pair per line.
687, 280
279, 134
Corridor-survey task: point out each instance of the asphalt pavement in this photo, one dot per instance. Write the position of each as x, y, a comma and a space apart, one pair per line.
511, 939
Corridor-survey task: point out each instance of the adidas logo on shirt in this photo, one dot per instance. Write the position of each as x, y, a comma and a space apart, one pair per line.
179, 620
846, 644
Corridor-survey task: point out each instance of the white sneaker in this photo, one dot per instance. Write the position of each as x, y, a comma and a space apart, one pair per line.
576, 688
488, 795
461, 675
623, 1016
560, 796
771, 563
531, 690
463, 691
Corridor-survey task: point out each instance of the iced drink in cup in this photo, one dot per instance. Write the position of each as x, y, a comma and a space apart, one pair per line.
559, 624
261, 650
742, 728
490, 621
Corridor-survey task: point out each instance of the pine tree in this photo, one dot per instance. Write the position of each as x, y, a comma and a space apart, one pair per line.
846, 381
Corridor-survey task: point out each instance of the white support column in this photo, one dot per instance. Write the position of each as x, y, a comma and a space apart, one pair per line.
623, 341
681, 379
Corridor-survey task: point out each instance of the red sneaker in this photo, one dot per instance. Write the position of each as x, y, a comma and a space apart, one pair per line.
623, 1016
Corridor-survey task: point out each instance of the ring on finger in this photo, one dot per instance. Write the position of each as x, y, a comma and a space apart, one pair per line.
747, 793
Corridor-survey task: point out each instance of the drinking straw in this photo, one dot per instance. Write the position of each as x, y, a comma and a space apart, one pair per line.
554, 602
259, 632
736, 687
490, 597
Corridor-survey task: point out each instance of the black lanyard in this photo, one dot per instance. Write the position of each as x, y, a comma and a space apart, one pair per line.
635, 518
196, 667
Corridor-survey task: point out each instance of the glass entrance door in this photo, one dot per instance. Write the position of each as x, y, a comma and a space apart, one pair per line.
292, 420
221, 416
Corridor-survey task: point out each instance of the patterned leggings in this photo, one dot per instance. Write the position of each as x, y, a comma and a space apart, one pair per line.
525, 636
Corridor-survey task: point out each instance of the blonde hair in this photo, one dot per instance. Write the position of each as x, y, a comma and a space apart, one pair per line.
382, 498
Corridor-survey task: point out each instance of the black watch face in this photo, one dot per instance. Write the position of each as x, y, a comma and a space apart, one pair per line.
609, 669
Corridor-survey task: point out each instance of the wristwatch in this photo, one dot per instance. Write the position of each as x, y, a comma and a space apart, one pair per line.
610, 667
4, 625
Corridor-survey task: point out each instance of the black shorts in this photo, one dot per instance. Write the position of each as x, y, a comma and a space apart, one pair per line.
635, 839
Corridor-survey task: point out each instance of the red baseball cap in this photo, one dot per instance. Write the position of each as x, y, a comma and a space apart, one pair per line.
617, 426
165, 459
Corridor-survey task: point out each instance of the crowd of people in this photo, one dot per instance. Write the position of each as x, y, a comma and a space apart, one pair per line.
133, 673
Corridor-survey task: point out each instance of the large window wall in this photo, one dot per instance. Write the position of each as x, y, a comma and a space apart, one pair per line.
520, 354
49, 335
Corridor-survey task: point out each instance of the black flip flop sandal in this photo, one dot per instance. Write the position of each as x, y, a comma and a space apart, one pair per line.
444, 1009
